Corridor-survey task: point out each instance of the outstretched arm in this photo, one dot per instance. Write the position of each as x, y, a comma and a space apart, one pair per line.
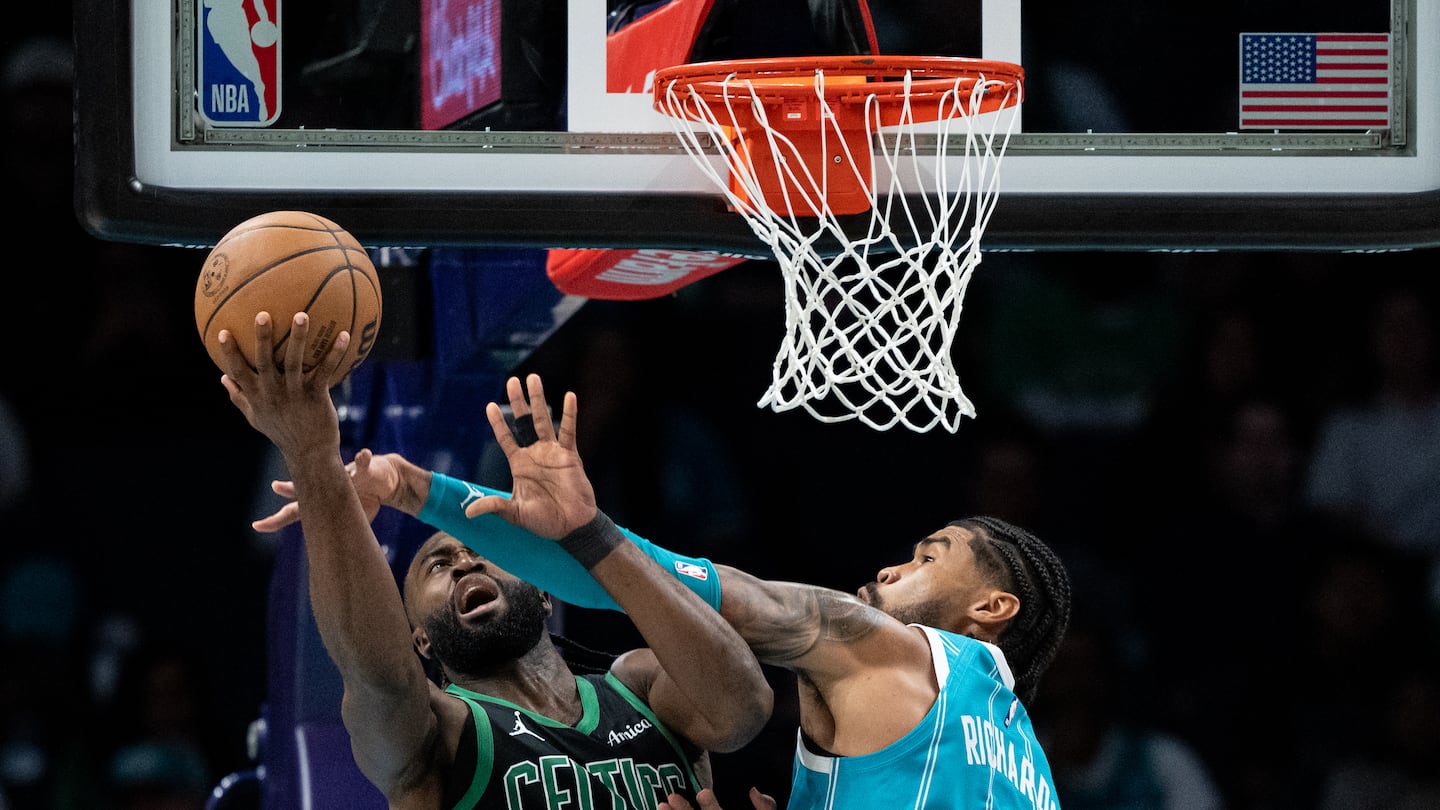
698, 676
823, 635
792, 625
439, 500
796, 626
356, 603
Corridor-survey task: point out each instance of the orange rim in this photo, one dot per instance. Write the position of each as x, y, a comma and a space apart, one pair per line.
791, 78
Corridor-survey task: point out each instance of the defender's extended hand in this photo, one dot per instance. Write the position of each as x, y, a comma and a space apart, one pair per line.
375, 478
552, 495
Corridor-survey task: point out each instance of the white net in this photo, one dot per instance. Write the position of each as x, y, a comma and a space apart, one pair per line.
872, 301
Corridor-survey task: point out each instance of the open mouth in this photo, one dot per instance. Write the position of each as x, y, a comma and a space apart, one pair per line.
473, 593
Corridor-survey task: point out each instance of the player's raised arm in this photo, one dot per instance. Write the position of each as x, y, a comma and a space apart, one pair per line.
707, 685
353, 594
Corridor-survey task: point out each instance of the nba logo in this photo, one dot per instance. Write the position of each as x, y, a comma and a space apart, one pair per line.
239, 62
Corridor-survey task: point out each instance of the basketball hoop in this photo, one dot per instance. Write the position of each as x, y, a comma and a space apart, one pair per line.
873, 289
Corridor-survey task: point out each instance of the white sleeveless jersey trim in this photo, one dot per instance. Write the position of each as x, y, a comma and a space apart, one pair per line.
1001, 664
942, 661
938, 657
811, 760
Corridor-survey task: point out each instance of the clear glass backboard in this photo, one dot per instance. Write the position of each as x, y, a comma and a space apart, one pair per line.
500, 122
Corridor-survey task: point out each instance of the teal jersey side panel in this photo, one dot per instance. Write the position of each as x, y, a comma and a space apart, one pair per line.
974, 749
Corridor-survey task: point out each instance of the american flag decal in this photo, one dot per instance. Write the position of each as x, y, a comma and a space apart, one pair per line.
1314, 81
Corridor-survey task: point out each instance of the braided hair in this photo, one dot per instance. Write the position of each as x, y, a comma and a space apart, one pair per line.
1023, 565
582, 659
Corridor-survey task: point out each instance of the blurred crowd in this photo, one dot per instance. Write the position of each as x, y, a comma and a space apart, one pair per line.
1238, 454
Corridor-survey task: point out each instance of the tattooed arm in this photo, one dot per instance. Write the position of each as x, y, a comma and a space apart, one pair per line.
865, 678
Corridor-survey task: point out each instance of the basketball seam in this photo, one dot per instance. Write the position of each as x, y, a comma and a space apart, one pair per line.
303, 227
220, 304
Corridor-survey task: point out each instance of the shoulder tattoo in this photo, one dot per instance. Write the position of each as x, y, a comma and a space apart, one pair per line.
803, 617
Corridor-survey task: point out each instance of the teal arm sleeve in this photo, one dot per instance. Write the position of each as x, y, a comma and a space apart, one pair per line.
542, 562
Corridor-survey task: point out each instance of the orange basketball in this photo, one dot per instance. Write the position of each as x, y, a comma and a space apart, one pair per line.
285, 262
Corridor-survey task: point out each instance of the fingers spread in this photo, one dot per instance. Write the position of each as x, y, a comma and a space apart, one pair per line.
334, 359
295, 348
232, 360
498, 426
236, 396
518, 406
567, 421
264, 343
544, 427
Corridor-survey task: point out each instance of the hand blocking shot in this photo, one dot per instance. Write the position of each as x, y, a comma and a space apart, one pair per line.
502, 722
913, 690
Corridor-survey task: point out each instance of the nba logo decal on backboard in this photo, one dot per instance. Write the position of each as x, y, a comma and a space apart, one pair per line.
239, 81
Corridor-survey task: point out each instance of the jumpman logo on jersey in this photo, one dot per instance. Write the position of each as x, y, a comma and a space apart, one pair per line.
521, 728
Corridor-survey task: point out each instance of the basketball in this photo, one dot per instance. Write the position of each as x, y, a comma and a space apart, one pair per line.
284, 262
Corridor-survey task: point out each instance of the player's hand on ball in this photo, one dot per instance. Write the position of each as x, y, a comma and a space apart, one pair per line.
284, 262
294, 409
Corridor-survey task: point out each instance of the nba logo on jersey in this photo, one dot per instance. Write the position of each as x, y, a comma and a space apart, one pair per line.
239, 81
692, 570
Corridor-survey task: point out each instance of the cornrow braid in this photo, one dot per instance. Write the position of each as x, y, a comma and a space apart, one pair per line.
580, 658
1028, 568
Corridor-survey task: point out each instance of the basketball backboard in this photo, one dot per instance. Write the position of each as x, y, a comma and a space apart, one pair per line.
509, 123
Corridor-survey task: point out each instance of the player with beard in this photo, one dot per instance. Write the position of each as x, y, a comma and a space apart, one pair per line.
912, 691
512, 726
483, 648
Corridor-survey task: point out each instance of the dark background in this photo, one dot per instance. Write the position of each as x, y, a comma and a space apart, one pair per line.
1291, 649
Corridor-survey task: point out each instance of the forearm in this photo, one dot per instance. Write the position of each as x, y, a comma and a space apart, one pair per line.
353, 595
700, 653
825, 636
671, 618
541, 561
788, 624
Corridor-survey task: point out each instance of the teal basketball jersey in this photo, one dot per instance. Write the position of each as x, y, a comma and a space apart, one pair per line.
974, 750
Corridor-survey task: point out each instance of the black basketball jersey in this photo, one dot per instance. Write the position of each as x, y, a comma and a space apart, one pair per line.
617, 755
